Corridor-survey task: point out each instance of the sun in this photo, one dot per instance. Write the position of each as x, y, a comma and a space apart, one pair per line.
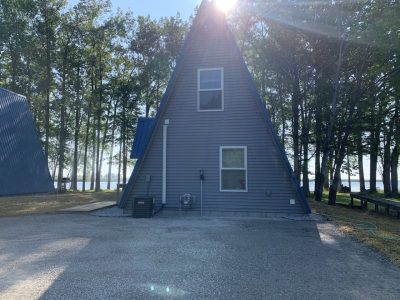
225, 5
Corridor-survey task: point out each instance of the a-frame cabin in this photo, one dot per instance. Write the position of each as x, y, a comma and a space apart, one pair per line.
212, 120
23, 166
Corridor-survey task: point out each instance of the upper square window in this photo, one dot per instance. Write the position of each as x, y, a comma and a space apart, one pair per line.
210, 89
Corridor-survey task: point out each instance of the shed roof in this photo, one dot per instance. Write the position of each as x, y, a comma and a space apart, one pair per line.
142, 136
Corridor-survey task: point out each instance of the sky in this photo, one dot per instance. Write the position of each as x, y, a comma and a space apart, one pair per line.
155, 8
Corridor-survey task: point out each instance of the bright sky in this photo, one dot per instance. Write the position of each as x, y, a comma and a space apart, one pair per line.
155, 8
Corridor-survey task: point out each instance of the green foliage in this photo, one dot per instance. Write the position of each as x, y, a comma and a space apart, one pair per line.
329, 73
88, 74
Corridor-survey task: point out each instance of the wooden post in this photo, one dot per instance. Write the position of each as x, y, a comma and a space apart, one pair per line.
376, 207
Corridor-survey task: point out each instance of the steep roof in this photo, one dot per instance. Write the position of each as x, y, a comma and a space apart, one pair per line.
209, 13
23, 166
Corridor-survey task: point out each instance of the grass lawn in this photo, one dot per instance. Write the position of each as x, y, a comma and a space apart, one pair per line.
50, 203
377, 230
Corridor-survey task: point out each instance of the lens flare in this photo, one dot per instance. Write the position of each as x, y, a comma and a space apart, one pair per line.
226, 5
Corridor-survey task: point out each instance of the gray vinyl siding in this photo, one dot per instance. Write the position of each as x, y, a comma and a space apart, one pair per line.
194, 140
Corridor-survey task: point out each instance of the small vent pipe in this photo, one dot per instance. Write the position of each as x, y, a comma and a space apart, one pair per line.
164, 162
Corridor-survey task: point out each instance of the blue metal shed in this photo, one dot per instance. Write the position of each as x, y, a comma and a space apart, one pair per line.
23, 166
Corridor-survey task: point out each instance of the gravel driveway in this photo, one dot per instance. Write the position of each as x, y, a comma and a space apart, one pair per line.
88, 257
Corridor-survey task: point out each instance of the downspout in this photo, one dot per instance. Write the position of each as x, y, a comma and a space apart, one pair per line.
201, 191
164, 163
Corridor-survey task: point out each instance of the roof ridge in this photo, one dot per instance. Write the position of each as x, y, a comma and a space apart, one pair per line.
11, 92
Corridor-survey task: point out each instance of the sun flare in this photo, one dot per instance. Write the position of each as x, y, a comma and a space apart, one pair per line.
226, 5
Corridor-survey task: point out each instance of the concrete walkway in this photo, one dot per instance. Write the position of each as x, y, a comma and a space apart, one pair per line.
78, 256
89, 207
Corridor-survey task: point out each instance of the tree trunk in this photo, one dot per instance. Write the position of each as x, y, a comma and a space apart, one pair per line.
306, 182
53, 172
76, 133
329, 171
306, 116
97, 154
331, 124
92, 177
124, 159
103, 144
336, 184
317, 179
374, 148
348, 171
283, 136
94, 88
99, 111
61, 153
334, 187
295, 127
342, 150
387, 163
110, 159
86, 149
360, 163
394, 171
396, 150
87, 142
48, 89
119, 164
29, 85
14, 69
124, 134
147, 109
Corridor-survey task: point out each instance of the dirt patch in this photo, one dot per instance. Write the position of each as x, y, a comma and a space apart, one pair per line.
43, 204
377, 230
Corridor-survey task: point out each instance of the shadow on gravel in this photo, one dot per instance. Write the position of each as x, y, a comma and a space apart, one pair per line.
80, 256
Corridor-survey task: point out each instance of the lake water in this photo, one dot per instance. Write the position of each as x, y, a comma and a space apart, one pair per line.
355, 185
103, 185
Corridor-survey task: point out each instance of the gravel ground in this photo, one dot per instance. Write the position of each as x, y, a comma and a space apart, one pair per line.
89, 257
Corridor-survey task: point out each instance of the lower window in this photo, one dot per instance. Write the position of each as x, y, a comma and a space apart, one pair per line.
233, 168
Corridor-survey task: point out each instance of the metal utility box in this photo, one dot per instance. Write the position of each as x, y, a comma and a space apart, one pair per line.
143, 207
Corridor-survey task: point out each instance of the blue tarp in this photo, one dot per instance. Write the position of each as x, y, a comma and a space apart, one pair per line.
142, 136
23, 166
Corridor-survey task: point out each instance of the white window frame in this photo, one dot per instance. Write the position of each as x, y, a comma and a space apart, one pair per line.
241, 169
205, 90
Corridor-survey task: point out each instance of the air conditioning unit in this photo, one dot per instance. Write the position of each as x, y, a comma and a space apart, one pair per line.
143, 207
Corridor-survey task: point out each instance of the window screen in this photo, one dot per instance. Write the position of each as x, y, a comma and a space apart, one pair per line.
233, 166
210, 93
